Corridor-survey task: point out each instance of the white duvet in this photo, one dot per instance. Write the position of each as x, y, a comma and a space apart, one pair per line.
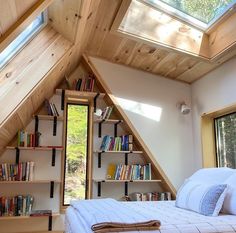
173, 220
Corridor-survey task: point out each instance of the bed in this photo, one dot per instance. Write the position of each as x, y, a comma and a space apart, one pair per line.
173, 219
201, 201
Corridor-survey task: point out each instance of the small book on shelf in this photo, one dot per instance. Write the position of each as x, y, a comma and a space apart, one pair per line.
51, 108
106, 113
38, 213
84, 84
25, 139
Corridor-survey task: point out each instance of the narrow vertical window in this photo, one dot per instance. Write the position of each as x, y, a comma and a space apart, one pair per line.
76, 153
225, 129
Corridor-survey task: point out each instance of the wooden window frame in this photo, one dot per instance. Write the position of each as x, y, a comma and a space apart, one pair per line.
89, 166
209, 156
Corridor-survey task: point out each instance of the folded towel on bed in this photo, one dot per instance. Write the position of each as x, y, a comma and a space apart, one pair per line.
109, 215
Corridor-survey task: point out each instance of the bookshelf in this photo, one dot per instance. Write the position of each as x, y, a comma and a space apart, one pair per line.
45, 186
130, 181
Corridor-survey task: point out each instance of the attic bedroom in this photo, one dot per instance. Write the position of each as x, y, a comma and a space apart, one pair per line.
117, 116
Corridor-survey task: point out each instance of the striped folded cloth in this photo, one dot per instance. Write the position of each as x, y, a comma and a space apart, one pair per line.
120, 227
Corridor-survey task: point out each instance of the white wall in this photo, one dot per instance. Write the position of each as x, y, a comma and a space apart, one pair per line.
170, 138
214, 91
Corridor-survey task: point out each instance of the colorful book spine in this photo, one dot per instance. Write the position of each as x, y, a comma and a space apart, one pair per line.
16, 206
17, 172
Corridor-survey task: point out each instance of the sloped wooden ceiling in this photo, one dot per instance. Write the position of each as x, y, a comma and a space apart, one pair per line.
155, 59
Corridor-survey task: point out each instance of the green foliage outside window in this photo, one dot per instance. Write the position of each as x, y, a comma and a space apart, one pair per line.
226, 140
76, 153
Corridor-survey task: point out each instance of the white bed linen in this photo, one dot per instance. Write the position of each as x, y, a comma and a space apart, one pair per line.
173, 220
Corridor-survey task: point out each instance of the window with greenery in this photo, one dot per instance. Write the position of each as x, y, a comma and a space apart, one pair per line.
225, 130
201, 13
21, 40
76, 153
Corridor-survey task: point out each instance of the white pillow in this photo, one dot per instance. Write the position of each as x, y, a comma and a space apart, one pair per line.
229, 206
204, 199
212, 175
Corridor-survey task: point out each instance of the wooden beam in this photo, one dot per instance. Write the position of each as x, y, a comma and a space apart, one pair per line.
121, 114
23, 22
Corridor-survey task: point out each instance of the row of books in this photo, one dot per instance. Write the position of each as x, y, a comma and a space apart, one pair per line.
150, 196
122, 143
26, 139
51, 108
16, 206
17, 172
84, 84
106, 113
129, 172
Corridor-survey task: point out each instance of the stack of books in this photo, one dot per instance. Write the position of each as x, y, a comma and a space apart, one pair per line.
84, 84
17, 172
106, 113
16, 206
151, 196
129, 172
122, 143
51, 108
26, 139
38, 213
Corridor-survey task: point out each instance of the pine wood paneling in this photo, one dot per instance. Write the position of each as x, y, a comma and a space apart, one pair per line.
11, 11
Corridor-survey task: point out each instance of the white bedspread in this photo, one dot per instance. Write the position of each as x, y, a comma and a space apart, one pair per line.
173, 220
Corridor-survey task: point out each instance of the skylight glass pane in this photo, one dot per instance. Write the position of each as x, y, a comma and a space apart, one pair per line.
206, 11
21, 40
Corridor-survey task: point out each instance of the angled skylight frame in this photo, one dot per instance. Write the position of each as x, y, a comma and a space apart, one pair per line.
23, 39
170, 10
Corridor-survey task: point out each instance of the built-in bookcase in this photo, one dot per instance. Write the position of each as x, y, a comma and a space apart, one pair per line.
46, 182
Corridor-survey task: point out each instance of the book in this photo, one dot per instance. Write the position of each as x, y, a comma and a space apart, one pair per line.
38, 213
111, 170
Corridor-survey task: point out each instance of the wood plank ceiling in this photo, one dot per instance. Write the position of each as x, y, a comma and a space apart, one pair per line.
119, 49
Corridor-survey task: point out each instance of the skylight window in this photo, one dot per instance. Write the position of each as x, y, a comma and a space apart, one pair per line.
21, 40
199, 13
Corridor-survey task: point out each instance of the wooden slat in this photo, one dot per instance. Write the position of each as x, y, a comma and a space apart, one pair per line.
108, 121
25, 217
23, 22
120, 152
29, 182
131, 181
131, 129
41, 148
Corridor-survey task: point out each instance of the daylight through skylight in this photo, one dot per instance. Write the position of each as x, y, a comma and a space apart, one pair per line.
16, 45
200, 13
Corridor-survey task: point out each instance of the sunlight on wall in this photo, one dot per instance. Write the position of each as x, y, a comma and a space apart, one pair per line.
146, 110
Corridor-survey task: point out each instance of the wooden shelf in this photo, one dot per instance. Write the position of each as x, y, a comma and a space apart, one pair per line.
121, 152
108, 121
130, 181
40, 148
48, 118
30, 182
26, 217
80, 94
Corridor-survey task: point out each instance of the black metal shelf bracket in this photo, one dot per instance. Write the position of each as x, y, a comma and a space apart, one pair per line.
99, 159
53, 157
17, 155
62, 99
36, 126
99, 189
54, 125
100, 128
51, 189
95, 101
115, 127
126, 158
50, 222
126, 188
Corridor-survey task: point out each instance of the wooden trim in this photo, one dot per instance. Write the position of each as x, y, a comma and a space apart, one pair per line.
121, 115
23, 22
208, 134
26, 217
108, 121
119, 152
130, 181
120, 15
40, 148
48, 118
30, 182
